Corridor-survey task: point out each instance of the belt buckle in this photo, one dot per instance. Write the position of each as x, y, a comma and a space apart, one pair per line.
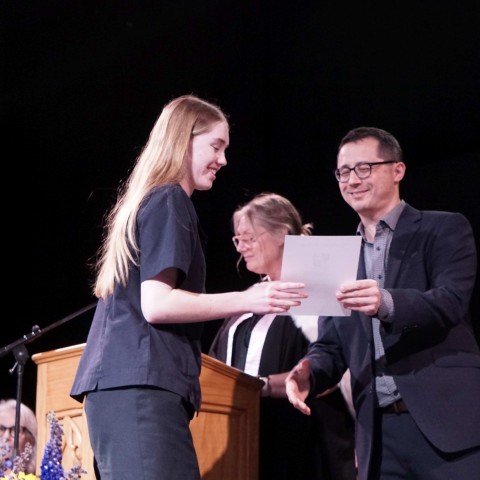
396, 407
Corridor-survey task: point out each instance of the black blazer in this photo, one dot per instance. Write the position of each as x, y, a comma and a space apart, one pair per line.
430, 346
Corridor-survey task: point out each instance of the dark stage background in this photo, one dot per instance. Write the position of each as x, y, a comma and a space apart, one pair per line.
83, 83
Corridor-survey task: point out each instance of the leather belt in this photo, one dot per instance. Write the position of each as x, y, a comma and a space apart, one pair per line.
397, 407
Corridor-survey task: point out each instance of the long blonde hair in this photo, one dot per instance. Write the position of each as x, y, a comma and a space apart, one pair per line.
162, 160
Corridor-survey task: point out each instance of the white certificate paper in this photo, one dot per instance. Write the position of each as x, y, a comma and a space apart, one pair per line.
322, 263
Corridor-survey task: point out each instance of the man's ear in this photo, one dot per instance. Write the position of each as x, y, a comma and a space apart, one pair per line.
399, 168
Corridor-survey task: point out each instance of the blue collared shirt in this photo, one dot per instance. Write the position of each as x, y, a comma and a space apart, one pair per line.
376, 258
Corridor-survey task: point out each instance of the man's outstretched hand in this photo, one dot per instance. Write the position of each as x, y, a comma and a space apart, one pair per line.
297, 385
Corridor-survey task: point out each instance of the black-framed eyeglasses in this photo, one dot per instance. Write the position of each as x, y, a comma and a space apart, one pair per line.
11, 431
247, 240
362, 170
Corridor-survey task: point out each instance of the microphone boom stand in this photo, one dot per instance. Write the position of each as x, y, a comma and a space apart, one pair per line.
21, 355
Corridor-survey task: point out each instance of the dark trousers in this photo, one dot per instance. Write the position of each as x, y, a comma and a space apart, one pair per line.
141, 433
401, 451
337, 438
294, 446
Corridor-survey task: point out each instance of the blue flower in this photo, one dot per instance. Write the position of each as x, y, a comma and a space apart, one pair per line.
51, 467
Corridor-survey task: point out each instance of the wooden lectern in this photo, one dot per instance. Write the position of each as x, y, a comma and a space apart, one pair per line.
225, 432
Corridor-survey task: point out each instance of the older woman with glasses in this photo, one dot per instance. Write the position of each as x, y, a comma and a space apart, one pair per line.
27, 433
268, 346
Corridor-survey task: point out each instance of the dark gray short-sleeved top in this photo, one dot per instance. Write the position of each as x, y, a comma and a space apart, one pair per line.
122, 348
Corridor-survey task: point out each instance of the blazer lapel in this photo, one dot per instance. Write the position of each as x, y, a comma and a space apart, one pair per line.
408, 223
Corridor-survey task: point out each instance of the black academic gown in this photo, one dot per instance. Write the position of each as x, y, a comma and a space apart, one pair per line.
293, 445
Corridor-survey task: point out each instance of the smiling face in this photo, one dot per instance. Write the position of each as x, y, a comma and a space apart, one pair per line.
377, 194
261, 250
206, 157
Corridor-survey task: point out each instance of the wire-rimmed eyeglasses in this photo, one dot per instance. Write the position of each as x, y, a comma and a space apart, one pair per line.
11, 430
362, 170
247, 240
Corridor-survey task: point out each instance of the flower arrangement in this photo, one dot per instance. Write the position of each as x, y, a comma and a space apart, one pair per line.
51, 467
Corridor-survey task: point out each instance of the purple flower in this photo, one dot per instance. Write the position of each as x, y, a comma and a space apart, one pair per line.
51, 467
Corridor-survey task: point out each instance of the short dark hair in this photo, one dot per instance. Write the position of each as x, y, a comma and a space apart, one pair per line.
388, 146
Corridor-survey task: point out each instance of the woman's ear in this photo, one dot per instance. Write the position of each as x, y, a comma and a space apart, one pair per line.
280, 237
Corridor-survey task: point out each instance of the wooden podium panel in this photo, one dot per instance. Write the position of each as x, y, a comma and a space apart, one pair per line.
225, 432
55, 372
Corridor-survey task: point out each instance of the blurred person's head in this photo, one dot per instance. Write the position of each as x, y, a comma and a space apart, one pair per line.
27, 431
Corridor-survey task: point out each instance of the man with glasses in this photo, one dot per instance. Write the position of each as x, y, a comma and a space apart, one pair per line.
409, 342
